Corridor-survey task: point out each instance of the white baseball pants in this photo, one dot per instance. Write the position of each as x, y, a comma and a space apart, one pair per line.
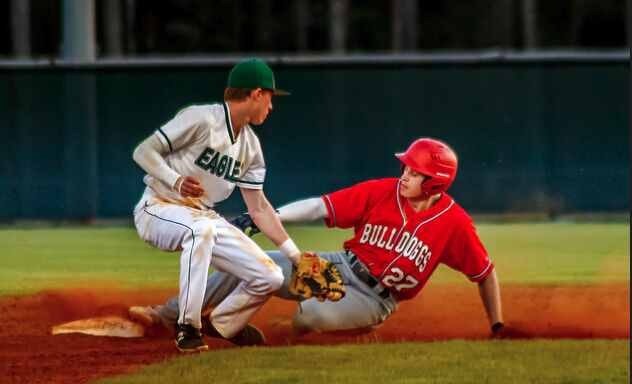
206, 239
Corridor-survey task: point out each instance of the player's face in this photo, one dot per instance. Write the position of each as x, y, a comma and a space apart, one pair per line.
262, 106
411, 183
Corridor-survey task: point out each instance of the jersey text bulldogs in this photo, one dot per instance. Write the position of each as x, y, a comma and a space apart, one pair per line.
408, 246
213, 161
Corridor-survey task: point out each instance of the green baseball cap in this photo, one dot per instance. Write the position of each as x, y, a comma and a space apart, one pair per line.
253, 74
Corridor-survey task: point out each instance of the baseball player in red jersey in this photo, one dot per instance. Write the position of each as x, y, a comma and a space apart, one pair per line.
403, 229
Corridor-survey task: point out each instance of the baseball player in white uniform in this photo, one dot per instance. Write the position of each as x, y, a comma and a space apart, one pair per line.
192, 162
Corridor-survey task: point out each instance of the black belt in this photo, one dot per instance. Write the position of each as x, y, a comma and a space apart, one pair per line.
361, 271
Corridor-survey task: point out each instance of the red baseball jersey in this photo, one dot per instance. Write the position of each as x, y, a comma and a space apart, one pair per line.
401, 247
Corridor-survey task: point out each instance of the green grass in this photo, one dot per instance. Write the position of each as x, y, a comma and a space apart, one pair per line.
35, 259
457, 361
559, 253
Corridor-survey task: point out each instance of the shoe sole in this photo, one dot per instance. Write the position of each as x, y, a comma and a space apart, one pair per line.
141, 317
201, 348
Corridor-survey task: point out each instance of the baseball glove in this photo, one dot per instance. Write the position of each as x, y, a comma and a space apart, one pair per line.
315, 277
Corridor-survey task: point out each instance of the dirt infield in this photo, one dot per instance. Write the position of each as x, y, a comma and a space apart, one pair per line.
29, 353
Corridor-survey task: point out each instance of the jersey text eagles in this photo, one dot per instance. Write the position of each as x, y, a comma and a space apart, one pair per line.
213, 161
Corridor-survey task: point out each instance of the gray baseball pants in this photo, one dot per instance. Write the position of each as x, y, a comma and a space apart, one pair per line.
362, 307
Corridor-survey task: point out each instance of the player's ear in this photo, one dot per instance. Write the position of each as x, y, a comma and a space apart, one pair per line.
256, 93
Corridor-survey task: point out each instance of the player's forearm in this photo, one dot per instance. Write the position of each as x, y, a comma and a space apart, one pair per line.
148, 156
490, 294
266, 219
303, 210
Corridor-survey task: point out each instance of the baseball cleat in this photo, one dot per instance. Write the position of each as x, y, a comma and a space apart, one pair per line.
189, 339
147, 316
248, 336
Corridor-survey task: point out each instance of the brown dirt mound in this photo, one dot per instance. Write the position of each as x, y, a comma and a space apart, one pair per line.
29, 353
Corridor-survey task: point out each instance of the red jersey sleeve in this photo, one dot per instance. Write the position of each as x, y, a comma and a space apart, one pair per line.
348, 206
467, 253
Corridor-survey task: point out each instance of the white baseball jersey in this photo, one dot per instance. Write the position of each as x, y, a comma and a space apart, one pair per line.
201, 143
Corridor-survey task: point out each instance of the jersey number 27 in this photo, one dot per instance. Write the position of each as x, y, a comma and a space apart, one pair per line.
398, 280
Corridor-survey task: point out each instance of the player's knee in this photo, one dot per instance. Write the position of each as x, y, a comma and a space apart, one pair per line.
276, 280
268, 283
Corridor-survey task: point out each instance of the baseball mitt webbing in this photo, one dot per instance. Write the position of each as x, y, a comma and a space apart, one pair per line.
316, 277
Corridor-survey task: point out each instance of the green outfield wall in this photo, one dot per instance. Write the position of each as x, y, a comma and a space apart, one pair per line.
531, 135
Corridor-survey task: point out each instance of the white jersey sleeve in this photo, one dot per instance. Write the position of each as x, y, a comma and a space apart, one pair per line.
187, 126
149, 155
200, 142
254, 172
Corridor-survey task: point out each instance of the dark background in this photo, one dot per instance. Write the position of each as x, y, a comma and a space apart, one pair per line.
224, 26
538, 111
531, 137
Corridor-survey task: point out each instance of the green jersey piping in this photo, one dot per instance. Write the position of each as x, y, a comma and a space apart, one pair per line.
228, 125
166, 138
237, 180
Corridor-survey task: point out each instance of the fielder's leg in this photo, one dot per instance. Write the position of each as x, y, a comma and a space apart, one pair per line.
172, 227
218, 286
237, 254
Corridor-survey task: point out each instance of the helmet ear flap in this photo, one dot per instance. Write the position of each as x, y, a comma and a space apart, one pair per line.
429, 188
426, 188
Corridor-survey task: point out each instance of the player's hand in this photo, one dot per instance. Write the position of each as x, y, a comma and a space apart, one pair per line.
245, 222
189, 187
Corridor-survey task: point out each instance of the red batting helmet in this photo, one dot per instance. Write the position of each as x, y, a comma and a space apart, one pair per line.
432, 158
